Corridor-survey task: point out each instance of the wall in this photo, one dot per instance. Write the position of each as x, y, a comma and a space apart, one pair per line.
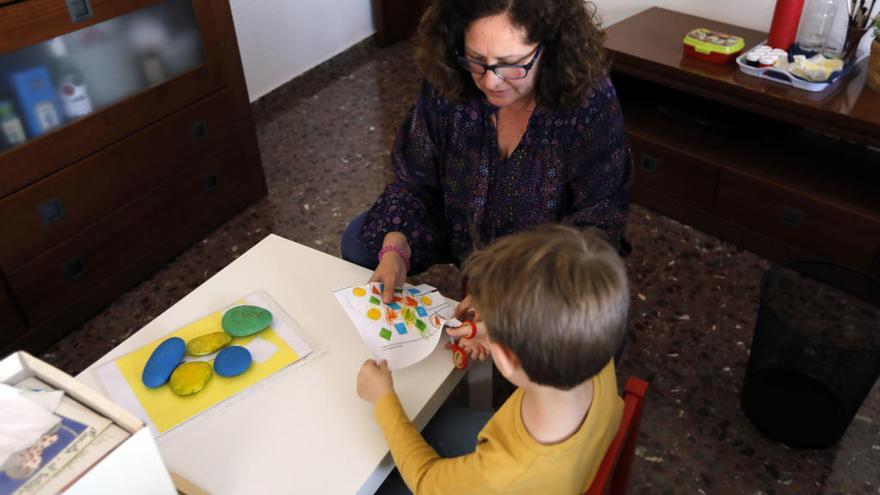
754, 14
280, 40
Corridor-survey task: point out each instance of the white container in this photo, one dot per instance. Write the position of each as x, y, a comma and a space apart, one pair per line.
133, 467
782, 76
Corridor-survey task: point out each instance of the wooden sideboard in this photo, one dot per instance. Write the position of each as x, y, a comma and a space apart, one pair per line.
778, 170
96, 204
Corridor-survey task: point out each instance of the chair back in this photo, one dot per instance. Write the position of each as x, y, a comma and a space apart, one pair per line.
613, 474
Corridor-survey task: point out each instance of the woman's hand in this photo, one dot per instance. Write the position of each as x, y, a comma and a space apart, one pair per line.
477, 346
374, 380
391, 271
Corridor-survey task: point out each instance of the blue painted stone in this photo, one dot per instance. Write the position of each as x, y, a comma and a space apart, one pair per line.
162, 362
232, 361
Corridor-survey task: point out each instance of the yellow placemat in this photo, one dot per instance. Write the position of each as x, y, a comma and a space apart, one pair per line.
166, 410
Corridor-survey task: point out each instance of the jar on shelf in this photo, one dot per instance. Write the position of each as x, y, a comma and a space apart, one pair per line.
816, 23
835, 41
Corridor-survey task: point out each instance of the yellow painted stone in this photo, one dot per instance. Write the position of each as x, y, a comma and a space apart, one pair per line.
426, 300
208, 343
359, 291
190, 378
374, 314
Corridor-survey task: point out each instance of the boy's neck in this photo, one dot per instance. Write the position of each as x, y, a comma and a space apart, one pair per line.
551, 415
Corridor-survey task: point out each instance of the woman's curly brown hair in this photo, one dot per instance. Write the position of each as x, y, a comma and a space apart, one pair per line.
573, 59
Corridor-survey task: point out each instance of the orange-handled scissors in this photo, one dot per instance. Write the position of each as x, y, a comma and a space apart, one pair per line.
459, 356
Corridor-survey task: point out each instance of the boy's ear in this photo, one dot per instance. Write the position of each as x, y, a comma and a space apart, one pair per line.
504, 358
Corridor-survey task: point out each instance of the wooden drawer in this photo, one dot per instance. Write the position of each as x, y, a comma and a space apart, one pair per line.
186, 203
11, 326
59, 206
672, 173
795, 218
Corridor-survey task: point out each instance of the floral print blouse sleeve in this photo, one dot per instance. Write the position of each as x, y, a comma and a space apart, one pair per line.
601, 172
412, 203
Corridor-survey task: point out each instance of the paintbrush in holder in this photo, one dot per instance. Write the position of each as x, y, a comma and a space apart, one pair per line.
856, 27
854, 36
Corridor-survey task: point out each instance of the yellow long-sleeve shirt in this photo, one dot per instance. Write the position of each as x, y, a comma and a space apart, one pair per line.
507, 459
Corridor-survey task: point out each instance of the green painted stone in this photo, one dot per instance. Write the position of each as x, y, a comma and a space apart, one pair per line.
208, 343
190, 378
242, 321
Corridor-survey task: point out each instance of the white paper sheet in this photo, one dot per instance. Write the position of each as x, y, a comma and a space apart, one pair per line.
396, 334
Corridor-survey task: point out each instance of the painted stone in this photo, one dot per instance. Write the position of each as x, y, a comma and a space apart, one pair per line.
190, 378
232, 361
162, 362
208, 343
245, 320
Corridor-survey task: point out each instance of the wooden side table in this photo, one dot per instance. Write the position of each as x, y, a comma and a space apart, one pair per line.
781, 171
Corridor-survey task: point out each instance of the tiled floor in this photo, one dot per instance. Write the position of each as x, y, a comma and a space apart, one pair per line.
325, 139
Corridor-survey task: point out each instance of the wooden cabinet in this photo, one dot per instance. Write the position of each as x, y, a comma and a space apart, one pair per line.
778, 170
396, 20
158, 150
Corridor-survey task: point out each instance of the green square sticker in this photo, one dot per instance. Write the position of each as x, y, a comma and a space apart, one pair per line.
385, 334
420, 325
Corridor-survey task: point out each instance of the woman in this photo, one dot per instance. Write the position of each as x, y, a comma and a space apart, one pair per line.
517, 124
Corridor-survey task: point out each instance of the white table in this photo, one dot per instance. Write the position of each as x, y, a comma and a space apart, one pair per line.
304, 430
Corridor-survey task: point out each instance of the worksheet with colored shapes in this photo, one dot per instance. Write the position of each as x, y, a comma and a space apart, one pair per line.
402, 332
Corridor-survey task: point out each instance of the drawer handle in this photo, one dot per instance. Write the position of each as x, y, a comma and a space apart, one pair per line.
212, 181
199, 131
80, 10
650, 162
51, 211
75, 268
792, 217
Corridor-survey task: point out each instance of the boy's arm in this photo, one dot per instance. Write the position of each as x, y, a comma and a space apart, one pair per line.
422, 469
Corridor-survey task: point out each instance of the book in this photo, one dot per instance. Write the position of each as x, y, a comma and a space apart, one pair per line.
30, 470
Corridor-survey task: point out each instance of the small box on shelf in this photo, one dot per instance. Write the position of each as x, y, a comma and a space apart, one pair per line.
712, 46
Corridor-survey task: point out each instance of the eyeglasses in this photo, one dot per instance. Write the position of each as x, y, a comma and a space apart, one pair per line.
503, 71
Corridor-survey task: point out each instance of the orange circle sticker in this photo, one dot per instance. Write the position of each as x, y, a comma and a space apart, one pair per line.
374, 314
359, 291
426, 300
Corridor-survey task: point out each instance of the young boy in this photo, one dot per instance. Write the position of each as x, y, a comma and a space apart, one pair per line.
552, 304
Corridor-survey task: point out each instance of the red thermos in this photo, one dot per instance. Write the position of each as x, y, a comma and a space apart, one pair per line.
786, 18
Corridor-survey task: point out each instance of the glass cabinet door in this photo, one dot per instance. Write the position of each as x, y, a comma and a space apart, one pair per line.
48, 85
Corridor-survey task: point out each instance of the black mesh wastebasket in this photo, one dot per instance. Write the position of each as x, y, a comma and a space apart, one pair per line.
815, 354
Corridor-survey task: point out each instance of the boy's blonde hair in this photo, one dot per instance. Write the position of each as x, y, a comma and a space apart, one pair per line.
556, 296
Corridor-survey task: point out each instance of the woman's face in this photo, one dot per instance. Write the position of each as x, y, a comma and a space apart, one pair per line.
495, 40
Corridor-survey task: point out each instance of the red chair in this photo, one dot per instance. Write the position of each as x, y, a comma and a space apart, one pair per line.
613, 473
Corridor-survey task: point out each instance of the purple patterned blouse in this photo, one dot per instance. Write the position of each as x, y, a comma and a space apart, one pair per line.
452, 186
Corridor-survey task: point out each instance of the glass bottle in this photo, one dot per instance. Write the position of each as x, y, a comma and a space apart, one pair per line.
13, 130
836, 39
70, 82
816, 24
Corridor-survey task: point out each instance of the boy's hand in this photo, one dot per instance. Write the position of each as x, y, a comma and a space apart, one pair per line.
374, 380
477, 346
464, 310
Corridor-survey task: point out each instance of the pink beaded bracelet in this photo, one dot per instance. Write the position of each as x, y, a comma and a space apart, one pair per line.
389, 247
